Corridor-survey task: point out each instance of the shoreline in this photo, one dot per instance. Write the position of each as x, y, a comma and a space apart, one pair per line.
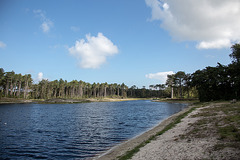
62, 100
210, 131
122, 148
201, 131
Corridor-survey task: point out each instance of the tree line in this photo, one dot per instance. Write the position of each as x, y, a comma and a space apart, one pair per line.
221, 82
14, 85
211, 83
22, 86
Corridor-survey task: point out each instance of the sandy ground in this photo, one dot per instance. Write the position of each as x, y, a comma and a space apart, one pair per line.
168, 145
63, 100
171, 145
177, 143
132, 143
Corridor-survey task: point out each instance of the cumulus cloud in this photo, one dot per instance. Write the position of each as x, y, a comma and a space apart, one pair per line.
93, 52
2, 44
211, 23
40, 76
47, 24
162, 76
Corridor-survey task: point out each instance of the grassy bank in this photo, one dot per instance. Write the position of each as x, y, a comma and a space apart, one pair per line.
178, 100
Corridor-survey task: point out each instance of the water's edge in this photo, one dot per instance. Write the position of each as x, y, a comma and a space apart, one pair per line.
82, 131
120, 149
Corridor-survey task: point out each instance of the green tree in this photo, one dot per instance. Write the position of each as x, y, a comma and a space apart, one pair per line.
43, 88
160, 87
62, 86
1, 81
132, 90
124, 89
234, 70
8, 82
179, 79
94, 87
55, 84
187, 84
171, 83
235, 55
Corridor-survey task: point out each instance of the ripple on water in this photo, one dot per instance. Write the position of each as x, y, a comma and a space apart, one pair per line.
74, 131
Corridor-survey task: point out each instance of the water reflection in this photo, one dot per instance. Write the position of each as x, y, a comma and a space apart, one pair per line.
65, 131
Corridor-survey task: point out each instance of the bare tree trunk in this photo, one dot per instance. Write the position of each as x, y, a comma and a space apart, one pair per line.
98, 93
7, 88
26, 90
14, 88
94, 92
55, 93
105, 92
19, 88
11, 88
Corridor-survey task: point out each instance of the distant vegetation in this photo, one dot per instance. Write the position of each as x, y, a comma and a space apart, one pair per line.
220, 82
212, 83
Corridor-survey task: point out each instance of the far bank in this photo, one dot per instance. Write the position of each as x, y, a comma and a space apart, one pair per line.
63, 100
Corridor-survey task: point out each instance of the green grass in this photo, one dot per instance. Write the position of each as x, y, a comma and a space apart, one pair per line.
220, 120
177, 120
229, 132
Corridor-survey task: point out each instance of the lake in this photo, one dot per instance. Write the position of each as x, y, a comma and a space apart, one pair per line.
75, 131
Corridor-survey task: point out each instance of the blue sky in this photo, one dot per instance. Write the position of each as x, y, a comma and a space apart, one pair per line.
136, 42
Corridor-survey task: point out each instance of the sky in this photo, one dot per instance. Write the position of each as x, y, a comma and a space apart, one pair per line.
136, 42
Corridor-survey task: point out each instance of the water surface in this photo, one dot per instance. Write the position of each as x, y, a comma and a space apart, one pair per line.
75, 131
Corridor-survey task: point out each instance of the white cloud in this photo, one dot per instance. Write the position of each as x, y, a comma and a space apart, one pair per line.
162, 76
47, 24
211, 23
214, 44
93, 52
2, 44
40, 76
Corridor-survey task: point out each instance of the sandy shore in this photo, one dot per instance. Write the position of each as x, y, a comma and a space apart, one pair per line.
121, 149
195, 137
112, 99
169, 146
62, 100
185, 141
